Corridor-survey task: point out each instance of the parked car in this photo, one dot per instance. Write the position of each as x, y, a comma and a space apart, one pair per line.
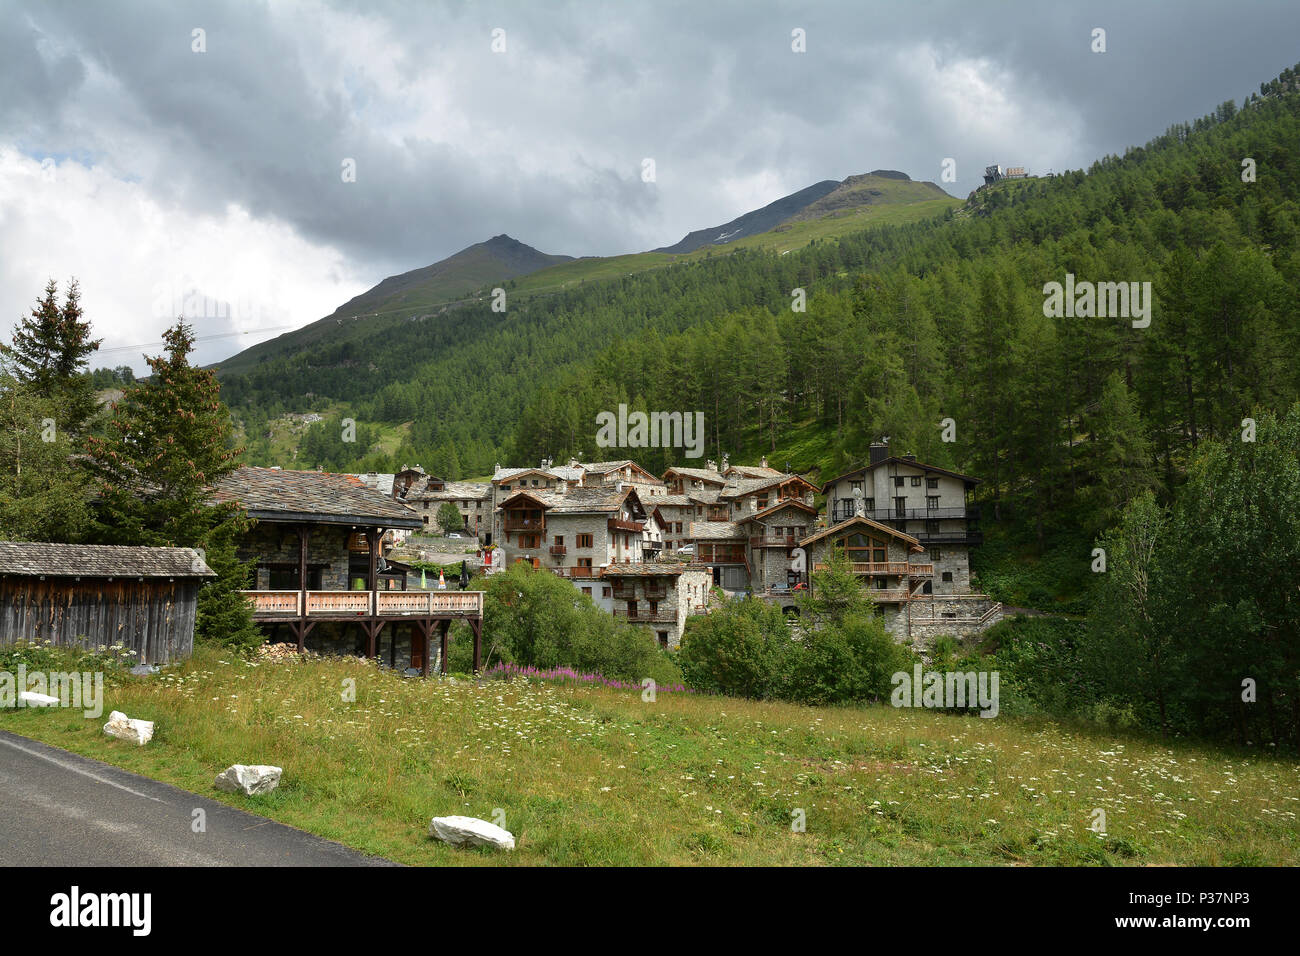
455, 534
686, 549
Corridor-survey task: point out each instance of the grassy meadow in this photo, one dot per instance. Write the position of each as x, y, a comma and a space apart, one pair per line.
591, 776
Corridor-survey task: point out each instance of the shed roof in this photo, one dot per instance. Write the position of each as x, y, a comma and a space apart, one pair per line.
274, 494
30, 558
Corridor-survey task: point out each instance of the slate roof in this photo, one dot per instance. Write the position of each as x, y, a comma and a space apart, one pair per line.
26, 558
453, 491
650, 570
382, 483
701, 473
754, 471
904, 462
274, 494
716, 530
843, 527
783, 503
578, 500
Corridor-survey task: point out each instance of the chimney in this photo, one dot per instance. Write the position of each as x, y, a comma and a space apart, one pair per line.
879, 452
763, 462
711, 465
910, 457
724, 462
573, 463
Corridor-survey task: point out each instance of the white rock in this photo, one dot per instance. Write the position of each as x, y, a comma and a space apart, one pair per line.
470, 831
31, 699
125, 728
248, 780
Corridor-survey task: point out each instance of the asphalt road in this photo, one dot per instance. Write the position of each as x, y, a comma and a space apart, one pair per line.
61, 809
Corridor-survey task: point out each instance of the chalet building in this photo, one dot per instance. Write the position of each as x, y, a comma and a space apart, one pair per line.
660, 596
930, 503
317, 547
573, 532
746, 529
86, 595
473, 499
607, 473
681, 481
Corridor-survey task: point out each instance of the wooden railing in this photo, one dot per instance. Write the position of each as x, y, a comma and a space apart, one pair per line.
559, 550
364, 603
645, 614
898, 568
618, 524
773, 541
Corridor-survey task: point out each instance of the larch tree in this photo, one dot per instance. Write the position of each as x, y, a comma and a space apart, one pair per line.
169, 440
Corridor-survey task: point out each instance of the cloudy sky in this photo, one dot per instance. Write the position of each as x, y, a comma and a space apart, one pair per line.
171, 170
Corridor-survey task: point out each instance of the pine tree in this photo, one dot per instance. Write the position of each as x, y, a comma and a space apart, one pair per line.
49, 355
41, 497
169, 440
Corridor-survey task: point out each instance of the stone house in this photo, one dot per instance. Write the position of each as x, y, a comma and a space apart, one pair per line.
933, 504
473, 499
660, 596
330, 526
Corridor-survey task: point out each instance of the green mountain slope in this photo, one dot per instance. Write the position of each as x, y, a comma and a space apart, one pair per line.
479, 266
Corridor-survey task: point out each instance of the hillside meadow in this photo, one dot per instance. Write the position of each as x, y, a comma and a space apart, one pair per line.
589, 776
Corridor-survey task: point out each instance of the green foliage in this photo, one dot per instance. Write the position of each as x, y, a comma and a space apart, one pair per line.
742, 650
534, 618
168, 441
449, 517
839, 653
42, 498
48, 355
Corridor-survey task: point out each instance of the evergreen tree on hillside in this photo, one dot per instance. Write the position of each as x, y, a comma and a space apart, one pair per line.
42, 498
169, 439
48, 355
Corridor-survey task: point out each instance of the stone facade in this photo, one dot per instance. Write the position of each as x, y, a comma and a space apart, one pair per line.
660, 597
275, 547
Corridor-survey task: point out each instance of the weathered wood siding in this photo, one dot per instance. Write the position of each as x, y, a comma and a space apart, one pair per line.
153, 617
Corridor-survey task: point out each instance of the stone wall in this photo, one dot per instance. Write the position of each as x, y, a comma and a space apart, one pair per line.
274, 543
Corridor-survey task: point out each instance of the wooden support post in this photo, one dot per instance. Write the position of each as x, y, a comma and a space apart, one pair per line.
425, 643
443, 628
477, 627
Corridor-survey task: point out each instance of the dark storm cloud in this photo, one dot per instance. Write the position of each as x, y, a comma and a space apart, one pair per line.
454, 144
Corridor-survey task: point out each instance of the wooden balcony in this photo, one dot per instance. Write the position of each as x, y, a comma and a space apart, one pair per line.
514, 523
350, 605
618, 524
645, 614
773, 541
577, 572
558, 550
894, 568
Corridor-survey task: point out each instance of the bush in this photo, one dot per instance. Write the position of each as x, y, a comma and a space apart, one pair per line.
741, 649
536, 619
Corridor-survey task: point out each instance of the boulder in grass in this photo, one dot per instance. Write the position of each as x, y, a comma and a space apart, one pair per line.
470, 831
125, 728
248, 780
31, 699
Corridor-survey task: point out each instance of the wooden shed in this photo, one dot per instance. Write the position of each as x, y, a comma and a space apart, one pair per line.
88, 595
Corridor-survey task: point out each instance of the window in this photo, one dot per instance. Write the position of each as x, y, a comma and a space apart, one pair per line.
663, 638
932, 502
932, 483
587, 591
529, 541
426, 519
898, 481
947, 577
868, 505
584, 541
935, 555
654, 607
584, 562
900, 506
559, 540
927, 589
605, 591
931, 526
916, 481
855, 486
